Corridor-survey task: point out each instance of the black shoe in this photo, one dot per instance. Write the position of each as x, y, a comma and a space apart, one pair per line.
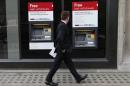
51, 83
82, 78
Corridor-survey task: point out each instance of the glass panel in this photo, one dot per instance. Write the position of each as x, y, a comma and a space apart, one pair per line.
3, 31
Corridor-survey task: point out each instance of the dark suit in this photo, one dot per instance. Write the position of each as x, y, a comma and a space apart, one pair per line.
63, 47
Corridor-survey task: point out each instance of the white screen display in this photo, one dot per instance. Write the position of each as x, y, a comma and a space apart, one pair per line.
85, 14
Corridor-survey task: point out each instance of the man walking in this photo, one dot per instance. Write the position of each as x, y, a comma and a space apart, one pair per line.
63, 50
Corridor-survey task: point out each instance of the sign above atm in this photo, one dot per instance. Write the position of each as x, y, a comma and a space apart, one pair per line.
84, 6
40, 11
85, 14
40, 6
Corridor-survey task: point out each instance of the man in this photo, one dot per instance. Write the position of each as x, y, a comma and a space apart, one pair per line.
63, 50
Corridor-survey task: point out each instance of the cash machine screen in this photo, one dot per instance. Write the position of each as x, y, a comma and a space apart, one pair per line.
85, 38
41, 32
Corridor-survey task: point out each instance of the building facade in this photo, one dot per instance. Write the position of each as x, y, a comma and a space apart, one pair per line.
13, 53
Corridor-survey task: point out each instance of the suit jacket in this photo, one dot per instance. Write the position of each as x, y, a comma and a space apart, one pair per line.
63, 37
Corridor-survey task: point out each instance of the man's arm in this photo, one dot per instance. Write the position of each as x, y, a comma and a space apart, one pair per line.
60, 37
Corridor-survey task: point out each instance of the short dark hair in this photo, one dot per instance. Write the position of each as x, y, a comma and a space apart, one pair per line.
65, 15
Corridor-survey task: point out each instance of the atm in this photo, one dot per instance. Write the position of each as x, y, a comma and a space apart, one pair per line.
38, 20
93, 27
85, 23
88, 27
94, 32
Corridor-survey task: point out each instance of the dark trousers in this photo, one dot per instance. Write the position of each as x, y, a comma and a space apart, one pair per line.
67, 60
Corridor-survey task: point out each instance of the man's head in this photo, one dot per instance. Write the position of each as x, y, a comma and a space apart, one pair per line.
65, 15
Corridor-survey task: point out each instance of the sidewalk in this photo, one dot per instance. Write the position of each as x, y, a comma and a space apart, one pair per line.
37, 77
96, 77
